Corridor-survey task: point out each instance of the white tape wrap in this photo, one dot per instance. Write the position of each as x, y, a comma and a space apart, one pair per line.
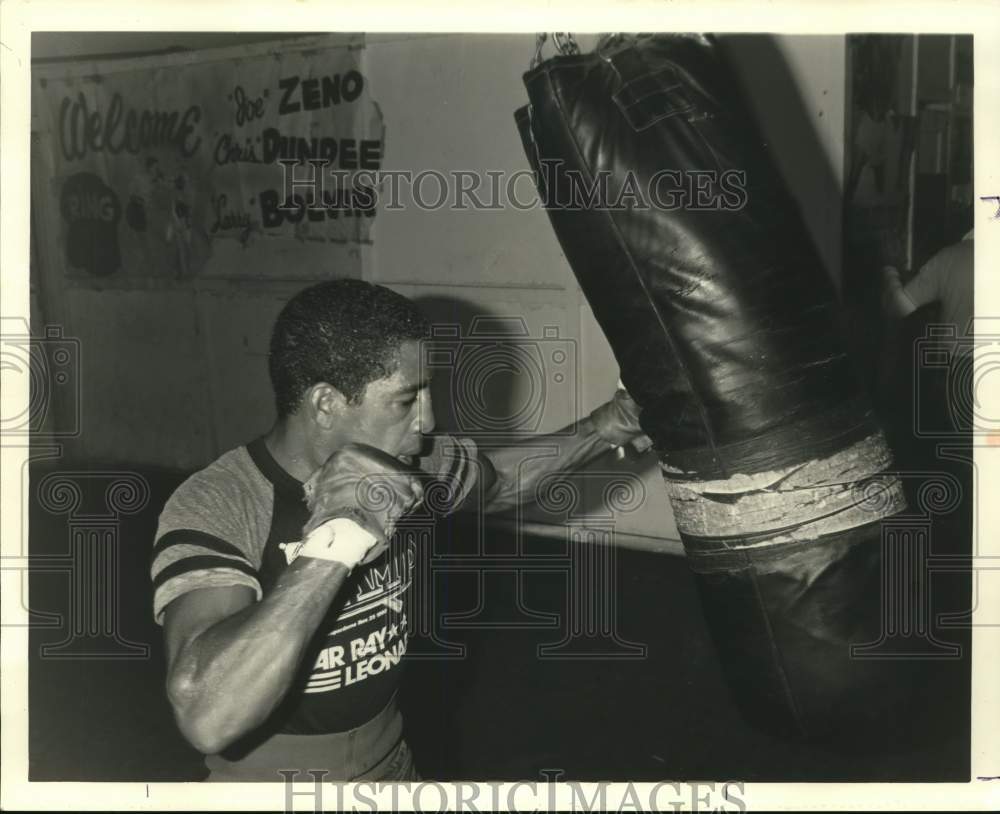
338, 540
800, 502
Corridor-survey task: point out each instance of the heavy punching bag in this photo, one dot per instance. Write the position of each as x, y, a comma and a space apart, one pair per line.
699, 268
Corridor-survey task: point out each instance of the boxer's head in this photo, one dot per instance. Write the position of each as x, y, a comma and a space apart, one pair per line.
345, 364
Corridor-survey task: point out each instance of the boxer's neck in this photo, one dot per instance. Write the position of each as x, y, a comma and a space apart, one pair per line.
297, 446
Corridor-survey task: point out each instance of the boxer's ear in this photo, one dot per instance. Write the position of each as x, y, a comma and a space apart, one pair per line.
326, 404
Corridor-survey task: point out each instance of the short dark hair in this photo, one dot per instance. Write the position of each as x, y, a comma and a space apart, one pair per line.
346, 333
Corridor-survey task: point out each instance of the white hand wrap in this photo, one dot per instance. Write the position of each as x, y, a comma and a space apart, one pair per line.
338, 540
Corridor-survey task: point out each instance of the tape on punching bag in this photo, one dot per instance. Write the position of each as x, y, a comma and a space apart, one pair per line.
699, 268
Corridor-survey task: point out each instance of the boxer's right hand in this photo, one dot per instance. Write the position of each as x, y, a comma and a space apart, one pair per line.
617, 421
361, 485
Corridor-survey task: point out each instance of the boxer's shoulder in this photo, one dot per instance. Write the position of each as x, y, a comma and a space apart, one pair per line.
229, 498
212, 530
232, 475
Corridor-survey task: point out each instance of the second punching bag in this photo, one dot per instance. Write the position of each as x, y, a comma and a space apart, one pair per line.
699, 268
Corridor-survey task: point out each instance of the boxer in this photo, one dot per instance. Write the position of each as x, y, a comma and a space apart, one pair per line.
278, 579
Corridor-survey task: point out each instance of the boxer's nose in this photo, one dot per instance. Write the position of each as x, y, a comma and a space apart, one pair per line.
425, 412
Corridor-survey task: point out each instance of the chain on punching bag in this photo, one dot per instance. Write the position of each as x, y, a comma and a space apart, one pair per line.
699, 268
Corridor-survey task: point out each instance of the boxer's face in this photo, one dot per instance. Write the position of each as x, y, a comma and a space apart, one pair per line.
396, 411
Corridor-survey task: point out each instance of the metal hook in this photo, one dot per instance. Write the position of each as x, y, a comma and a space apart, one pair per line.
536, 60
565, 44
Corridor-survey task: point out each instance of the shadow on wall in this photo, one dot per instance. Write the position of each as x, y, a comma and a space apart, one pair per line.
494, 382
477, 384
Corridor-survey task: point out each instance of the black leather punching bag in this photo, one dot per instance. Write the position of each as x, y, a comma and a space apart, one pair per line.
699, 268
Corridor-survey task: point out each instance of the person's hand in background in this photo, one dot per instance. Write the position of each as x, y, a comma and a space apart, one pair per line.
895, 302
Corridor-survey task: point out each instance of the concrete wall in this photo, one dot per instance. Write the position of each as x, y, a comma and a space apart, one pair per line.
174, 377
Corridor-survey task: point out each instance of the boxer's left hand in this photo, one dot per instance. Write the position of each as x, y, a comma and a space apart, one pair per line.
617, 422
365, 485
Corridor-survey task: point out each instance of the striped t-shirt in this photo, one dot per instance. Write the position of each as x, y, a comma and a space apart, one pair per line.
229, 524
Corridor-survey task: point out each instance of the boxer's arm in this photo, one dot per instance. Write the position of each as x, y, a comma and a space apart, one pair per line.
230, 659
511, 475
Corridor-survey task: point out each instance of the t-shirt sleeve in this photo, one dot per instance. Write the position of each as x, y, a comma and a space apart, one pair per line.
204, 539
454, 468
